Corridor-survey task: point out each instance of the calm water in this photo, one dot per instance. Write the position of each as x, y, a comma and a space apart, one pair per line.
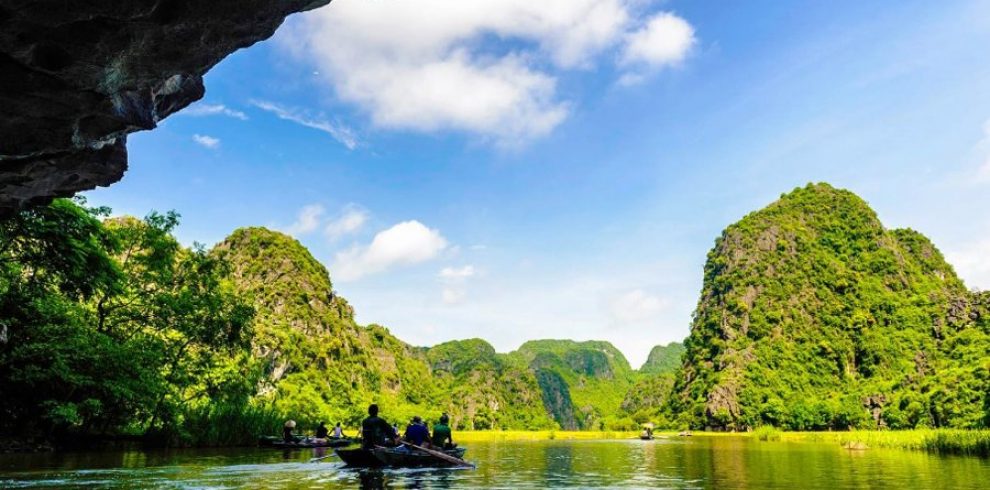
700, 462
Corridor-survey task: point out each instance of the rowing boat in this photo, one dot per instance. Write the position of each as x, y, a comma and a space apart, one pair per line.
305, 443
404, 457
358, 457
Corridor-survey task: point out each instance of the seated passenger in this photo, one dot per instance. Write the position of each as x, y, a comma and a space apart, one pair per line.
338, 433
416, 432
322, 432
442, 436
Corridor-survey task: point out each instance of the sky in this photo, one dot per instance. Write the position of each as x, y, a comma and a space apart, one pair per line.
515, 170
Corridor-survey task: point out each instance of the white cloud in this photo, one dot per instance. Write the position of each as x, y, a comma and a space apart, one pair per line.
665, 40
453, 274
406, 243
307, 221
485, 67
350, 220
972, 262
343, 134
454, 278
206, 141
204, 109
636, 306
453, 296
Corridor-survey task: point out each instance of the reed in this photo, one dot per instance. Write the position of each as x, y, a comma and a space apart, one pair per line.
228, 425
942, 441
767, 433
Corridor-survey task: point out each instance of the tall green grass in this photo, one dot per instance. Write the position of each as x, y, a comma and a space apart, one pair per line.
942, 441
228, 425
767, 433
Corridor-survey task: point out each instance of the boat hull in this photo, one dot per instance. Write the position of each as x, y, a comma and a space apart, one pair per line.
359, 458
399, 458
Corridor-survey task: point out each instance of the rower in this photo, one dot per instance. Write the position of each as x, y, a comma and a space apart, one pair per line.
322, 431
338, 433
442, 436
375, 430
287, 431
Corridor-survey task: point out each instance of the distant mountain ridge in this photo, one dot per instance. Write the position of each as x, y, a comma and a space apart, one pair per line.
318, 363
812, 316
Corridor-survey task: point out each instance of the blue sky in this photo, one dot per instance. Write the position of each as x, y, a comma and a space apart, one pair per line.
512, 171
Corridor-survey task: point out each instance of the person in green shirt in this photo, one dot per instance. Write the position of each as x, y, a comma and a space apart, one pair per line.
442, 437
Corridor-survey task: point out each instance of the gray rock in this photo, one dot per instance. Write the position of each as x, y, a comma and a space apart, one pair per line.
77, 77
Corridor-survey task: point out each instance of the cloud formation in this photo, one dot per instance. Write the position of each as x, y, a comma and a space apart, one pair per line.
454, 274
487, 67
636, 306
307, 221
349, 221
970, 261
204, 109
205, 141
404, 244
454, 279
343, 134
665, 40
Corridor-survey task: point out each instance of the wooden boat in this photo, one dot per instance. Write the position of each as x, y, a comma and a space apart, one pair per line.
359, 458
303, 443
403, 457
646, 437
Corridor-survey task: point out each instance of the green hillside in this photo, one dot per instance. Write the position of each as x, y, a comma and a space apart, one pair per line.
664, 359
814, 316
320, 365
583, 383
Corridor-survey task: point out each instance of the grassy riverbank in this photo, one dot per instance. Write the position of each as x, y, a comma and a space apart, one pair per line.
942, 441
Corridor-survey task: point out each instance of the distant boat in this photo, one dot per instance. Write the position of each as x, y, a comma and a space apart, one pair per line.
303, 443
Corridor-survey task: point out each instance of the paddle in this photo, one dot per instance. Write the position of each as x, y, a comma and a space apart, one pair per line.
444, 456
321, 458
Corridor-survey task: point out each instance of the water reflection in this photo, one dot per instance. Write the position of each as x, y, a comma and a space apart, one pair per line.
700, 462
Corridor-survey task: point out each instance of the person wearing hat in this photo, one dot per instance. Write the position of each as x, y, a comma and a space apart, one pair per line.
416, 432
442, 436
287, 431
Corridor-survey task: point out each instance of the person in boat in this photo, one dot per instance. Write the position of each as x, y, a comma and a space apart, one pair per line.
375, 431
442, 436
322, 432
416, 432
338, 432
287, 431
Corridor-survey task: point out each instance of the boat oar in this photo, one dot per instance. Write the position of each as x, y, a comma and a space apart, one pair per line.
440, 455
321, 458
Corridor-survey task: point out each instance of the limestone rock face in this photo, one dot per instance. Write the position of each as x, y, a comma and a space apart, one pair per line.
77, 77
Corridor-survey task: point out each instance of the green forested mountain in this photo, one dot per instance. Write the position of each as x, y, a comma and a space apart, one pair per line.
319, 364
814, 316
664, 359
583, 383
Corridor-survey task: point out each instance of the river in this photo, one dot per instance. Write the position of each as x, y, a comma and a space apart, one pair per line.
698, 462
